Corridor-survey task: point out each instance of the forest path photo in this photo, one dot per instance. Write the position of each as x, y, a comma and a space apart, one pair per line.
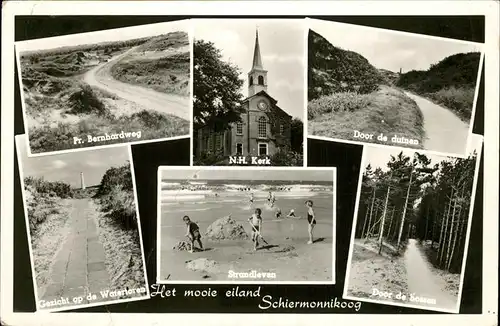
441, 125
101, 77
79, 266
422, 280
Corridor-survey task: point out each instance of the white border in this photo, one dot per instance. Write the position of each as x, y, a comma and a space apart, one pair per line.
186, 26
479, 140
311, 21
33, 274
489, 286
235, 170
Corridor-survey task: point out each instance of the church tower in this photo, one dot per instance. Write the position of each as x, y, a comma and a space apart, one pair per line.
257, 76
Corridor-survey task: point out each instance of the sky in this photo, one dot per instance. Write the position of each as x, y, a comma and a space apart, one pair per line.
67, 167
391, 50
379, 156
248, 174
119, 34
282, 51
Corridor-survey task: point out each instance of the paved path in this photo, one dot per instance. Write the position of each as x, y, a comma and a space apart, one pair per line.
100, 77
78, 267
421, 279
444, 131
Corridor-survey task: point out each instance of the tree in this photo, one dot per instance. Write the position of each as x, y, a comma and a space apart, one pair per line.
217, 97
297, 135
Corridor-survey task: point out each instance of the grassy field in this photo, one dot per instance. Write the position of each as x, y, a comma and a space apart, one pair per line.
162, 64
387, 110
59, 105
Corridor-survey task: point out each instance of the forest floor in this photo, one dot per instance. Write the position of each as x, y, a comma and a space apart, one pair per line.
409, 278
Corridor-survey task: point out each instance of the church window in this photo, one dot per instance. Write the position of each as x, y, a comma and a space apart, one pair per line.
218, 141
262, 149
251, 80
262, 127
239, 128
261, 80
282, 129
239, 149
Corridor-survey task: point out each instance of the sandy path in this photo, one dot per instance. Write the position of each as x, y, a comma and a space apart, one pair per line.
421, 279
100, 77
445, 132
79, 265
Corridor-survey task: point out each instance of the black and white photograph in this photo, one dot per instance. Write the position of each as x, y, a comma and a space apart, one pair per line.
115, 86
83, 228
371, 85
246, 225
411, 230
248, 92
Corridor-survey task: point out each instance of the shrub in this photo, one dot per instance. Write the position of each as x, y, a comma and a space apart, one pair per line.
86, 101
49, 188
287, 158
116, 176
460, 100
119, 205
338, 102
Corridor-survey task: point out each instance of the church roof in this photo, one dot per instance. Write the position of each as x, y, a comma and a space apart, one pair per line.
264, 93
257, 59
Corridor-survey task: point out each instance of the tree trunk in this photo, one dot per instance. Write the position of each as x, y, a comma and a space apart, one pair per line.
390, 224
448, 247
426, 222
382, 224
440, 248
404, 209
364, 223
445, 231
456, 232
371, 211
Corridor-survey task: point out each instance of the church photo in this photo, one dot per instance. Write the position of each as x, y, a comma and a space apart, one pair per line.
248, 96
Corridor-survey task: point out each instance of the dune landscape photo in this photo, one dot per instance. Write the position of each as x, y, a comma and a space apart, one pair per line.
221, 206
113, 86
389, 88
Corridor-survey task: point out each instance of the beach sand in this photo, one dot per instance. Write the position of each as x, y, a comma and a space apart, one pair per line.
288, 257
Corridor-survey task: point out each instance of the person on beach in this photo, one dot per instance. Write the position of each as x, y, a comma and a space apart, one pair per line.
291, 213
256, 222
192, 232
311, 220
251, 199
278, 212
269, 199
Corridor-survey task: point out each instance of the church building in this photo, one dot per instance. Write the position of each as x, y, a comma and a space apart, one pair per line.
264, 129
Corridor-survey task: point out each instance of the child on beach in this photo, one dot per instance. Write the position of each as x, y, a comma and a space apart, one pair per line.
251, 199
256, 222
278, 213
311, 220
291, 214
192, 232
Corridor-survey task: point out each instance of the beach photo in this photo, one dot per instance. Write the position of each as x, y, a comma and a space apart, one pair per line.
411, 228
248, 92
114, 86
83, 228
371, 85
246, 225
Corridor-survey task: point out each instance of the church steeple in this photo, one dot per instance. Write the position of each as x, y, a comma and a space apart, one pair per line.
257, 60
257, 76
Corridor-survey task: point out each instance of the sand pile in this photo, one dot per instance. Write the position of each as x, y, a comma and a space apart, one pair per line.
226, 228
182, 246
202, 265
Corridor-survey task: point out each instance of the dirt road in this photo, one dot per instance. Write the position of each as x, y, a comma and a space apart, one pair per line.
445, 132
423, 281
100, 77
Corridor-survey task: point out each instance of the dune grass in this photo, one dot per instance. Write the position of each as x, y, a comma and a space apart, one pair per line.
47, 216
118, 228
387, 110
459, 100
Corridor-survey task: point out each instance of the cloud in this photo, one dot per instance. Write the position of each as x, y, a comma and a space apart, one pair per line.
275, 58
59, 164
